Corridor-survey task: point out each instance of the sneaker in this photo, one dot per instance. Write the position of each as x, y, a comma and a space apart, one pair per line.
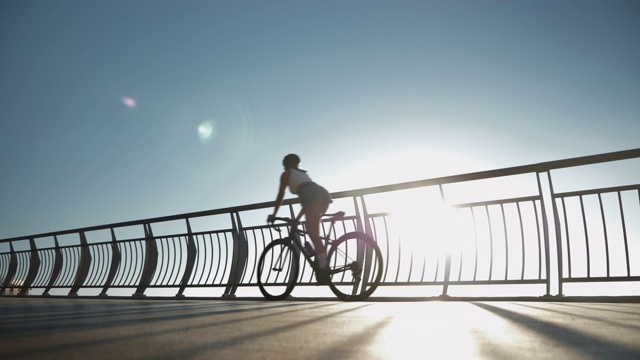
322, 275
356, 270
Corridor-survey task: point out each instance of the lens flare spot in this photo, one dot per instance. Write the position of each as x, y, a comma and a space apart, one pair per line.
206, 131
129, 101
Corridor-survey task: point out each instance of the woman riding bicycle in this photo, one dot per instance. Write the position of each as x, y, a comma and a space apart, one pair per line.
315, 201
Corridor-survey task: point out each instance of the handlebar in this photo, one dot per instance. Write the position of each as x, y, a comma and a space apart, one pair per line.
333, 217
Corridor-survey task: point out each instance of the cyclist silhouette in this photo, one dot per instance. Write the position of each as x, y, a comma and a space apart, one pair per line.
315, 201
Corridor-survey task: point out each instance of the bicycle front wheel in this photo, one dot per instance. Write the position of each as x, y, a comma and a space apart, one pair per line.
278, 269
355, 266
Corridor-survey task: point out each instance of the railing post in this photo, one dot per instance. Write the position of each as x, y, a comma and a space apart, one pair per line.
365, 216
545, 229
192, 253
13, 267
150, 262
359, 223
84, 263
57, 267
556, 221
447, 263
368, 255
239, 259
115, 263
34, 267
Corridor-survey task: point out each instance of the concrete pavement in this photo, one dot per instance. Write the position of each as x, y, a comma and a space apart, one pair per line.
37, 328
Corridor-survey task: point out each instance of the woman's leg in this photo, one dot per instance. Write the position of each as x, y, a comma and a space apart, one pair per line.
313, 212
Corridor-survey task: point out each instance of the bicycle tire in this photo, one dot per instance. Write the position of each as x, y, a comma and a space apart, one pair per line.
354, 255
279, 279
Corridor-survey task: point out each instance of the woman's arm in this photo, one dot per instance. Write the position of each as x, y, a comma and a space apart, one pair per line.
284, 181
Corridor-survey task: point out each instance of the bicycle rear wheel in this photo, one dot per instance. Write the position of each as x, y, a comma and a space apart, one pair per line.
355, 265
278, 269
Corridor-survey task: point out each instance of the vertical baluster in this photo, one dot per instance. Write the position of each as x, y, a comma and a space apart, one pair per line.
604, 229
624, 234
506, 243
566, 229
13, 267
586, 237
524, 259
486, 210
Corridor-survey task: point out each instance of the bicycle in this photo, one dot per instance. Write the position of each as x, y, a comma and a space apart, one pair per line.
354, 259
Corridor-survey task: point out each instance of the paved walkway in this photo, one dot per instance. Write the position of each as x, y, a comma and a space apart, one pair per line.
36, 328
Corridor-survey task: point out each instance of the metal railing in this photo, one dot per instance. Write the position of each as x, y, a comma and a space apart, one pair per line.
539, 237
580, 232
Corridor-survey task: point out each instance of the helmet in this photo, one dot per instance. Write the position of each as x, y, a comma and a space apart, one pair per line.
291, 161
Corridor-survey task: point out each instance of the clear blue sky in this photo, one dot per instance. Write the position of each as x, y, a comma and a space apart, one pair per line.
367, 92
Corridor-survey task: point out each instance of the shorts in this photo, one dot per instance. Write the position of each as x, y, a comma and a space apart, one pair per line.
311, 193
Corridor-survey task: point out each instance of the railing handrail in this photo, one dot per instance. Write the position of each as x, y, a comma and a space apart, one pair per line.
516, 170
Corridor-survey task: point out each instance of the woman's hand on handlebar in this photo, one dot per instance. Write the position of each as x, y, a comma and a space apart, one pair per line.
271, 219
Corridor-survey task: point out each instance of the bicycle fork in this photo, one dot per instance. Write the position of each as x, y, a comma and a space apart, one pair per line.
283, 255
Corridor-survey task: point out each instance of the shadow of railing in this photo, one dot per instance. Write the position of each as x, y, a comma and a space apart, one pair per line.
498, 227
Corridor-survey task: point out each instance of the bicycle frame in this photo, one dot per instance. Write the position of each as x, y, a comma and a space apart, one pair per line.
296, 234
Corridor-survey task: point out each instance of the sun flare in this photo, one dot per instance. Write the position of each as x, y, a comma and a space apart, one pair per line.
206, 131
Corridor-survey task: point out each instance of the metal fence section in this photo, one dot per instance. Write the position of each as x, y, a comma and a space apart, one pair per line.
439, 233
595, 234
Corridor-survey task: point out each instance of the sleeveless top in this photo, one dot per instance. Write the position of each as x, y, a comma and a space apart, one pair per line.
297, 178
